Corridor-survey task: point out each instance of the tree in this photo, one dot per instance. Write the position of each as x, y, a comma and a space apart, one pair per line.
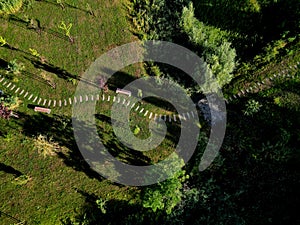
212, 43
167, 194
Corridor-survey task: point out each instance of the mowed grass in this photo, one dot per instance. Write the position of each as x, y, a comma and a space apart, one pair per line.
55, 190
56, 187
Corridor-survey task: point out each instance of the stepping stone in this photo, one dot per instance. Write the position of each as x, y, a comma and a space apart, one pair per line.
132, 105
35, 99
108, 98
128, 104
45, 101
49, 102
59, 103
17, 90
165, 118
174, 116
70, 101
30, 97
80, 98
25, 94
142, 110
12, 88
8, 85
150, 116
170, 118
114, 99
4, 83
119, 99
146, 113
97, 98
1, 80
137, 108
160, 118
193, 115
65, 102
92, 97
124, 100
103, 97
39, 101
75, 100
86, 98
179, 116
54, 103
183, 116
188, 115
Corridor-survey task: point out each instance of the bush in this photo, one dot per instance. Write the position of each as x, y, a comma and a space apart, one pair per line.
10, 6
212, 43
155, 19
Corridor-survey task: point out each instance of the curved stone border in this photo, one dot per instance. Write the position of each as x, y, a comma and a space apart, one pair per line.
81, 99
259, 85
150, 115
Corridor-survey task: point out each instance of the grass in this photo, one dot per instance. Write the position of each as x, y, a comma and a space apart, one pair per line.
52, 187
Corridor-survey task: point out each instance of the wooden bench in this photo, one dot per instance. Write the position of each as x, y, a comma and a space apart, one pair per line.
41, 109
123, 91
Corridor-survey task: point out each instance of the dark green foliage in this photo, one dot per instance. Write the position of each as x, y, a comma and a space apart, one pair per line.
156, 19
212, 43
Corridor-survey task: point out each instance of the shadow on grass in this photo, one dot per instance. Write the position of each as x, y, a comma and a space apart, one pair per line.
64, 4
117, 149
36, 27
114, 212
60, 128
259, 28
9, 169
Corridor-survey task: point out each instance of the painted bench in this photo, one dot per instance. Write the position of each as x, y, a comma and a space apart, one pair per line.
123, 91
41, 109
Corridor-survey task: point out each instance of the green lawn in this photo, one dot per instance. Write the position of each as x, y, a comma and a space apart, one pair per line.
57, 185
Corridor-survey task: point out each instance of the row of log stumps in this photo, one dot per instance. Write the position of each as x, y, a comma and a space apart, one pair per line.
264, 83
51, 103
209, 114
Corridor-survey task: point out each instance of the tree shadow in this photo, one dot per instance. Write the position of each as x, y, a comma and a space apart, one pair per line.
259, 28
116, 148
9, 169
37, 27
61, 73
128, 213
60, 128
65, 4
3, 64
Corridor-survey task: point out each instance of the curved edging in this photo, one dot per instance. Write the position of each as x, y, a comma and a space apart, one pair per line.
85, 98
259, 85
150, 115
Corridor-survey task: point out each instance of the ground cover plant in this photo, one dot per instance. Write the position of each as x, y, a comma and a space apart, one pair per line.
252, 47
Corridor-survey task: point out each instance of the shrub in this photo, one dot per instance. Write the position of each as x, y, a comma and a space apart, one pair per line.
212, 43
46, 146
14, 67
